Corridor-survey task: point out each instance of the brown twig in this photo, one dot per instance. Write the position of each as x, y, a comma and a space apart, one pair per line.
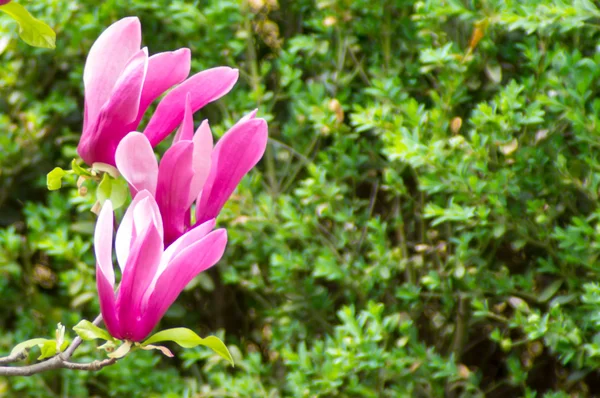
59, 361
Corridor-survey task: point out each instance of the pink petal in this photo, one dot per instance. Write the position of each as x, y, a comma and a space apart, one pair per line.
127, 232
204, 87
164, 71
251, 115
142, 263
180, 271
106, 60
235, 154
203, 146
187, 239
186, 130
118, 115
178, 247
175, 175
136, 162
105, 274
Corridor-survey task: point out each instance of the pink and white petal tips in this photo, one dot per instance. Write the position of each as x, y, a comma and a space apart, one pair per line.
196, 258
186, 130
235, 154
105, 275
204, 87
127, 231
106, 60
203, 146
137, 163
102, 135
175, 174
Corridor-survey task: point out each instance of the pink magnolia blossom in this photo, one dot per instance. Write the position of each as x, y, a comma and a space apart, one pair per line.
3, 2
121, 81
191, 170
152, 277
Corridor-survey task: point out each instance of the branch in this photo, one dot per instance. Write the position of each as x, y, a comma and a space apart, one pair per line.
16, 357
59, 361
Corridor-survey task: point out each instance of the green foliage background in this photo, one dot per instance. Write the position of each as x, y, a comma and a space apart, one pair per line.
425, 222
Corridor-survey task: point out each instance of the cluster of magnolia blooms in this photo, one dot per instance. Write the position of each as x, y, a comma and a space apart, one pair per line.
167, 235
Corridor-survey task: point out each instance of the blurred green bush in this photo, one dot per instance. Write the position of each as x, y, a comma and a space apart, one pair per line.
423, 224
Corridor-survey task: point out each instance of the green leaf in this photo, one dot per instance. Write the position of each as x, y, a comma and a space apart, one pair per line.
119, 192
54, 178
33, 31
121, 351
88, 331
80, 171
28, 344
104, 189
48, 349
549, 291
188, 339
115, 190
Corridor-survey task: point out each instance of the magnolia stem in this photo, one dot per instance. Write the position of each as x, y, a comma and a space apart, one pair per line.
59, 361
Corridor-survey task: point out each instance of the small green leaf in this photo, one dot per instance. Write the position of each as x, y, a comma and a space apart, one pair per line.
121, 351
115, 190
80, 171
104, 189
33, 31
48, 349
28, 344
188, 339
54, 178
88, 331
119, 192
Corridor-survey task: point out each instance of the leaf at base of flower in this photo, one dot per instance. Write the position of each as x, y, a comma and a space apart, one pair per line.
161, 348
109, 346
121, 351
188, 339
88, 331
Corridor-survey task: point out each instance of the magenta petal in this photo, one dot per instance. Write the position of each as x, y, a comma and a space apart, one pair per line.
127, 232
106, 60
136, 162
105, 275
178, 247
142, 263
117, 117
234, 155
164, 71
203, 146
179, 272
175, 175
204, 87
186, 130
187, 239
106, 293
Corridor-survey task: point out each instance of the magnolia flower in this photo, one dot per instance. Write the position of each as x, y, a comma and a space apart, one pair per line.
152, 277
191, 170
121, 81
3, 2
